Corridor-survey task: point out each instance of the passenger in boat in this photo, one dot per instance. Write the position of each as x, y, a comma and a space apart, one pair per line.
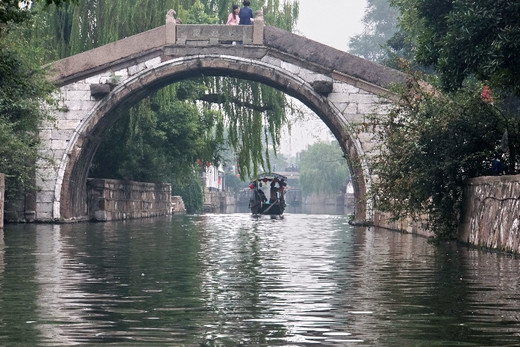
261, 195
282, 184
274, 191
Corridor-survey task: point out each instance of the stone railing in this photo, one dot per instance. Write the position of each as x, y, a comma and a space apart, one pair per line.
202, 34
118, 200
491, 213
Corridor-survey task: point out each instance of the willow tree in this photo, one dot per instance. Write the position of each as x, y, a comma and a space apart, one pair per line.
323, 169
251, 124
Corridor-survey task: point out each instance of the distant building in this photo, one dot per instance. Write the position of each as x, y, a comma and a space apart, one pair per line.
213, 178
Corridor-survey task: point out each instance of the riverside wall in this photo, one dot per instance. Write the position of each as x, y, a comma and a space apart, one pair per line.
118, 200
2, 191
491, 213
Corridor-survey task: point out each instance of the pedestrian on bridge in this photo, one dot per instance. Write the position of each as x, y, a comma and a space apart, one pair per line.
246, 14
233, 18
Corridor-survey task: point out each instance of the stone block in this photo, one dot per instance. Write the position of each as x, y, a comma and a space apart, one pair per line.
72, 115
80, 105
44, 196
61, 134
367, 108
344, 88
310, 77
339, 98
78, 86
59, 144
291, 68
272, 61
44, 211
45, 134
99, 78
100, 216
347, 108
361, 98
153, 62
135, 69
68, 124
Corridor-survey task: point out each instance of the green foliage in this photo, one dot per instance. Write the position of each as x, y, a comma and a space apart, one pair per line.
197, 15
463, 38
431, 142
18, 11
23, 91
233, 183
191, 190
380, 23
323, 169
159, 138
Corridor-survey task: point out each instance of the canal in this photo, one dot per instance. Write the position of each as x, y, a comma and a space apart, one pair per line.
230, 279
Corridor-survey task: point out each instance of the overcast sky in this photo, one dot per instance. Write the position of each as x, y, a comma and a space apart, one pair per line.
331, 22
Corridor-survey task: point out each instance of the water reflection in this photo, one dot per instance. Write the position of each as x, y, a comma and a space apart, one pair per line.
231, 279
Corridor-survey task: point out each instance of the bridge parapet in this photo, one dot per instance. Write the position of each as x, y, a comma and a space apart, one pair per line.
196, 35
200, 34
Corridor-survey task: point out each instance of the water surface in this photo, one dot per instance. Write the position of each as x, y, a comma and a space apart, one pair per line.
230, 279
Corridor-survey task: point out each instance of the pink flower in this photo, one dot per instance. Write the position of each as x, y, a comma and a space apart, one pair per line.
486, 95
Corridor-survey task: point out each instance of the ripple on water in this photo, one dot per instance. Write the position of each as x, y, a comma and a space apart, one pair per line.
232, 279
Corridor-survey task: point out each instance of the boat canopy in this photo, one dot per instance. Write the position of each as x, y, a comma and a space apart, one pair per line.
266, 177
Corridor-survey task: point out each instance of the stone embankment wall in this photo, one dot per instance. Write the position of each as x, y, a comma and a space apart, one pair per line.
177, 205
384, 220
118, 200
2, 191
215, 201
492, 213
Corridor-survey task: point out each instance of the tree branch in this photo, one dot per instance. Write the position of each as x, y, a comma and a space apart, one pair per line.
220, 99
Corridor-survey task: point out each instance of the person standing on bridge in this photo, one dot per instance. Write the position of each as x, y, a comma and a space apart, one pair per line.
233, 18
246, 14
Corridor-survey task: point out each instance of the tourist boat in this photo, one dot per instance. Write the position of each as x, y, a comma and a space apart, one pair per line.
273, 203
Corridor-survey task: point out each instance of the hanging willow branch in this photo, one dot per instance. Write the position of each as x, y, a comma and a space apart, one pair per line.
252, 113
222, 99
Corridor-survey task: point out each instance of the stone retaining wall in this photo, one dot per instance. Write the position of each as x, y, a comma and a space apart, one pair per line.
2, 191
492, 213
118, 200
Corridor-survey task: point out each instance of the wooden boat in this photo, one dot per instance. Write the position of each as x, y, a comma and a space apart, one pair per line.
260, 203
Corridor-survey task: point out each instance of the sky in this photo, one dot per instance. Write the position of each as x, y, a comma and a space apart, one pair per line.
331, 22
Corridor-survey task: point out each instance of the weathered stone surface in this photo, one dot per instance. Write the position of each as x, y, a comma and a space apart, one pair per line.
2, 199
335, 59
119, 200
491, 213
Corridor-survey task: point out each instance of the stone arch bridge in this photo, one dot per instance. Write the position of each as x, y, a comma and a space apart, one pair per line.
340, 88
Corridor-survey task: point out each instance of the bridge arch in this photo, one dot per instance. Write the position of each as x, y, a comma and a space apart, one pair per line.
83, 147
340, 88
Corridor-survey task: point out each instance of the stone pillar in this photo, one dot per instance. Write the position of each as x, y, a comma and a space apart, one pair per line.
258, 28
171, 27
2, 191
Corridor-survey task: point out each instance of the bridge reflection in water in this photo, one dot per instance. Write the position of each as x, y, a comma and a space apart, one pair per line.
229, 279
